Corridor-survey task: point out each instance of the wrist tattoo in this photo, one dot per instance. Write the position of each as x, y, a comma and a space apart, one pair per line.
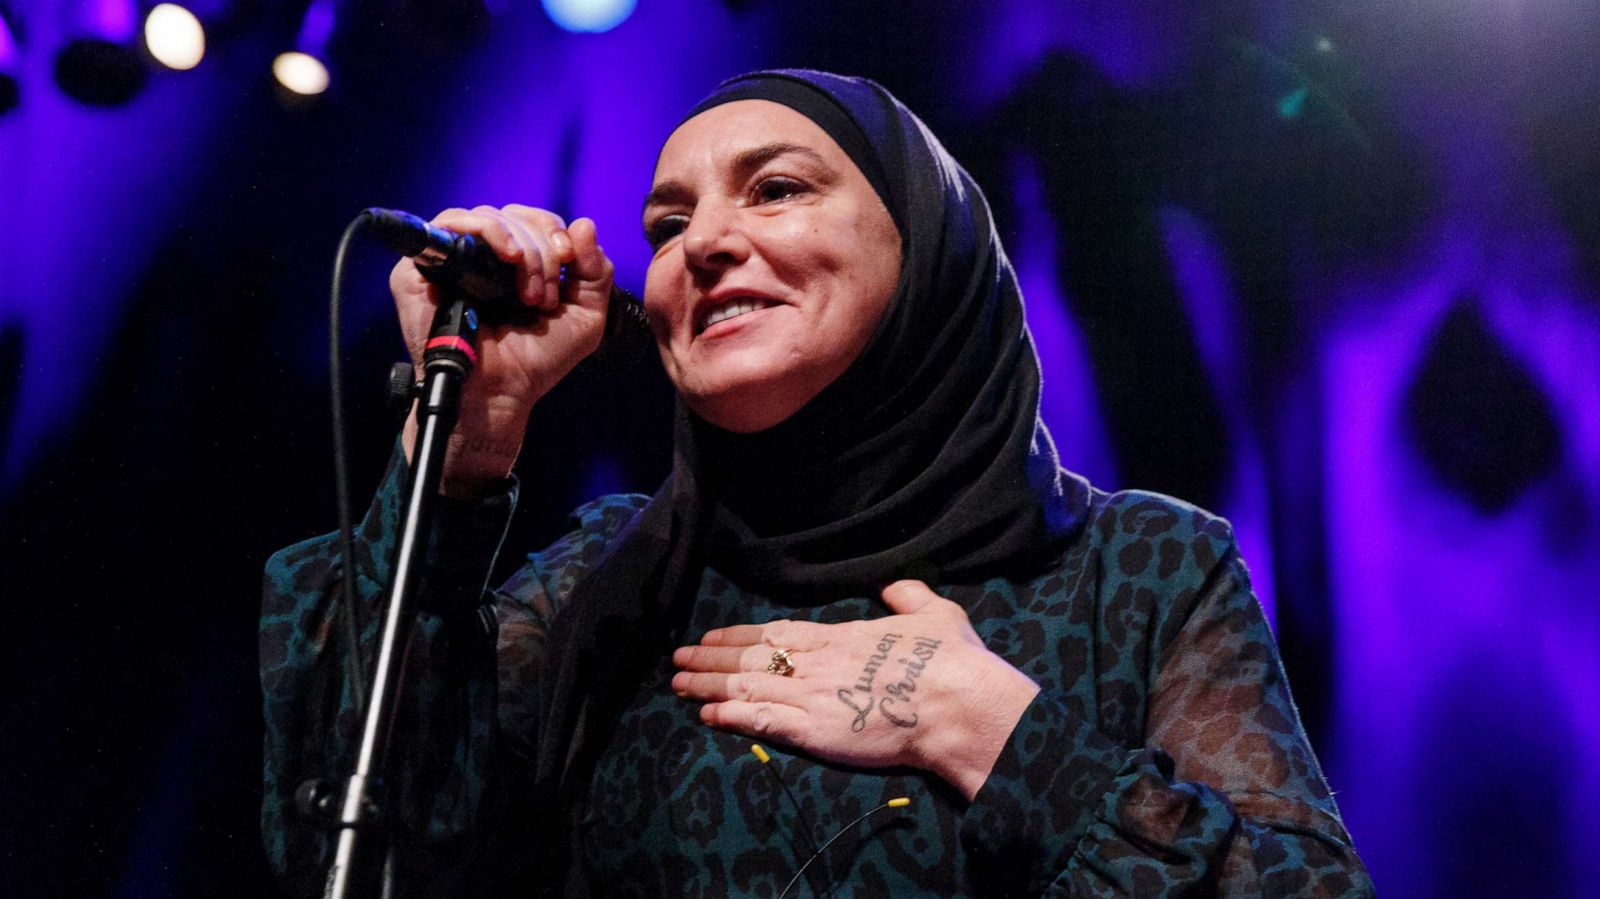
895, 704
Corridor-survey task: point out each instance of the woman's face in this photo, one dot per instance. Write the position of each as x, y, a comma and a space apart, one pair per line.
774, 261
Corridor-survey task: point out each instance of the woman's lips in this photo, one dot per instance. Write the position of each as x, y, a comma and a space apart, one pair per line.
731, 310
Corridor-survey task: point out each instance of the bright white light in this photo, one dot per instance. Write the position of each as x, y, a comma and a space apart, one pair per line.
589, 15
174, 36
300, 72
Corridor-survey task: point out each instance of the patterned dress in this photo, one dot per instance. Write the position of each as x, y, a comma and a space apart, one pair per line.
1162, 756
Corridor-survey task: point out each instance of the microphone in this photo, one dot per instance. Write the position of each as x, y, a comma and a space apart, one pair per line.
488, 282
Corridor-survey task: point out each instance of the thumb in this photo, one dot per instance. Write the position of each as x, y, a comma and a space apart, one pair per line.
588, 280
910, 597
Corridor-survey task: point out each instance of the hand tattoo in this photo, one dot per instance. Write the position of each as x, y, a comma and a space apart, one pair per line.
860, 710
861, 699
901, 690
870, 670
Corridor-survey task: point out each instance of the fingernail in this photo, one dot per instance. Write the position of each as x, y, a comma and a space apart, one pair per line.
562, 241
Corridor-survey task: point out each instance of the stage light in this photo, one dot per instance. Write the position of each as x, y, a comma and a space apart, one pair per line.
174, 36
10, 92
588, 15
99, 66
301, 70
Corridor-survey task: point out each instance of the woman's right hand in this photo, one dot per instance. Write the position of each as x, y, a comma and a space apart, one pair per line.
516, 364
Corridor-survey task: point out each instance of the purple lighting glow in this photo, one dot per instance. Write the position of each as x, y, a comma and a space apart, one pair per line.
135, 169
584, 143
1068, 403
316, 28
8, 48
1441, 605
1198, 267
1468, 639
116, 21
1330, 270
1135, 45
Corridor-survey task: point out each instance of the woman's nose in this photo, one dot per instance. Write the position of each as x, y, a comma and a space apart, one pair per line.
714, 238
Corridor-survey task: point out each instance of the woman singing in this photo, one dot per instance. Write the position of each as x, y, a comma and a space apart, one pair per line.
866, 559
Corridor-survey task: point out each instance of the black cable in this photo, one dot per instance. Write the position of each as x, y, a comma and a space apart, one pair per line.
354, 664
627, 331
900, 802
805, 826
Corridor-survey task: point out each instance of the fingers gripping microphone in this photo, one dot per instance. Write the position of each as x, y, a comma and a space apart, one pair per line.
489, 282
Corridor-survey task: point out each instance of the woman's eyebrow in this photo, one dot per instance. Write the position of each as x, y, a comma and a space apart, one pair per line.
667, 193
747, 161
755, 157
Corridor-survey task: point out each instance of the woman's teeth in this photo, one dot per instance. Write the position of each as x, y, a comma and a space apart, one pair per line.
732, 310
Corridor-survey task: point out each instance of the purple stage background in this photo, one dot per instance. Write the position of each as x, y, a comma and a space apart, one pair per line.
1330, 269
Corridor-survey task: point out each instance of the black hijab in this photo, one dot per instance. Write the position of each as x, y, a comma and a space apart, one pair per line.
925, 459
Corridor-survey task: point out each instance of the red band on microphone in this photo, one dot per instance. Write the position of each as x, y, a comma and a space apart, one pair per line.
455, 343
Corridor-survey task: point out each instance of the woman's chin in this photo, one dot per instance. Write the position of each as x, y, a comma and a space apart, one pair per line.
745, 418
747, 407
754, 388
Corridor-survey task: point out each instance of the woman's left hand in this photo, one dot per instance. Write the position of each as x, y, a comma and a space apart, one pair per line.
917, 688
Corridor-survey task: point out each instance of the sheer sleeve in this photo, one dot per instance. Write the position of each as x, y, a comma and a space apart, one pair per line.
1224, 797
446, 718
466, 727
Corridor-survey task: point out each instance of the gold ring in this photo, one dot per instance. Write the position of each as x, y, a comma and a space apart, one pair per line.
780, 664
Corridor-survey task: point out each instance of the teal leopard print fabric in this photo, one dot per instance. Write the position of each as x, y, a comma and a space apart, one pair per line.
1163, 755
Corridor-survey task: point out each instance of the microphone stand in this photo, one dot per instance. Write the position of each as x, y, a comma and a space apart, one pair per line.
449, 357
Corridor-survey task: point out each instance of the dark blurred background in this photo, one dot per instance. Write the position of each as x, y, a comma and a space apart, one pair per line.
1331, 269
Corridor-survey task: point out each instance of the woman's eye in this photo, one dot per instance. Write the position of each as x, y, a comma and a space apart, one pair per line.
773, 189
664, 229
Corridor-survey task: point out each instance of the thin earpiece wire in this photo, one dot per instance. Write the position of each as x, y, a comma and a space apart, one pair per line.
806, 827
899, 802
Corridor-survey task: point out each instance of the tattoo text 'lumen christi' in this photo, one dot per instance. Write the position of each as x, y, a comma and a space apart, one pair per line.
864, 683
861, 710
900, 691
870, 669
860, 698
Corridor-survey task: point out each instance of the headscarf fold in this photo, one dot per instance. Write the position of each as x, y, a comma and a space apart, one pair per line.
925, 459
